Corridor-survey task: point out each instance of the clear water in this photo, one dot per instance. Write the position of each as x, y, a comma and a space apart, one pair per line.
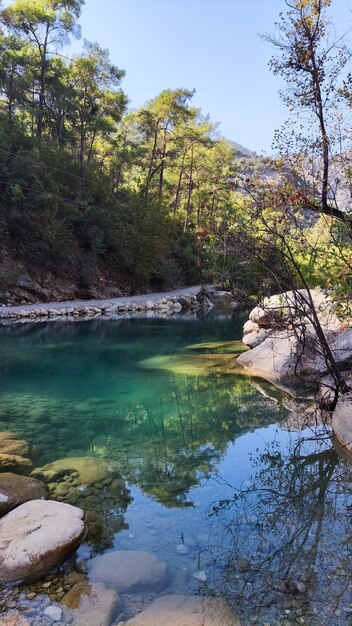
206, 460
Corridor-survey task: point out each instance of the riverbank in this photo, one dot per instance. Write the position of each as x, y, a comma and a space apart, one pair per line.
168, 302
287, 352
171, 301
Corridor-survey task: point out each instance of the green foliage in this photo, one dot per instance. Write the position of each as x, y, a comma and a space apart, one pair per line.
78, 174
155, 191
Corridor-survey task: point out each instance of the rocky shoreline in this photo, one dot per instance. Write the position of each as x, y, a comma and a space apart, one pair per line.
48, 511
167, 303
285, 352
45, 516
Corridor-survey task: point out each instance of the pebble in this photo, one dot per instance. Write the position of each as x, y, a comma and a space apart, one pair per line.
201, 576
183, 549
11, 604
53, 612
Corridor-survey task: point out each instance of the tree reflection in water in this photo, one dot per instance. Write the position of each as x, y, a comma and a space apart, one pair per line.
285, 547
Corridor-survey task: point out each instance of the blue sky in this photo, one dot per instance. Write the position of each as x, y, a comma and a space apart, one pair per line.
210, 45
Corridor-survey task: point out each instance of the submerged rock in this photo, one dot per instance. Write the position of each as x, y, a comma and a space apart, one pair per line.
14, 618
15, 463
15, 454
194, 364
131, 571
90, 469
15, 490
10, 443
36, 537
90, 604
53, 612
179, 610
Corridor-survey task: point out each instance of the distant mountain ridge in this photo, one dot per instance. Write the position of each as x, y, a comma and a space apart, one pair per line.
241, 150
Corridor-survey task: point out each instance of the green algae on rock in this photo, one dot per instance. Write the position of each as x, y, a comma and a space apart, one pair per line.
195, 364
90, 604
90, 469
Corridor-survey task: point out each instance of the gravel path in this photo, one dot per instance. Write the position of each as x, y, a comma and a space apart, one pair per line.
103, 302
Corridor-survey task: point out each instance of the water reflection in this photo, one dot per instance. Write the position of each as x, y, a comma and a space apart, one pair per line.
285, 548
181, 435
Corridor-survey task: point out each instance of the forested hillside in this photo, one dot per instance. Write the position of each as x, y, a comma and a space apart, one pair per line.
97, 198
94, 197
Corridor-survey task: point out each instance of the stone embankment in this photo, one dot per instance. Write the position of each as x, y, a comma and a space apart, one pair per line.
188, 299
286, 352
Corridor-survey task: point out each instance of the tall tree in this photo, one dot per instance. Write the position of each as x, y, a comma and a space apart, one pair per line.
14, 79
45, 24
157, 122
99, 102
311, 58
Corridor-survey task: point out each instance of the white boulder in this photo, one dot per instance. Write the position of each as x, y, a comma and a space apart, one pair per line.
37, 537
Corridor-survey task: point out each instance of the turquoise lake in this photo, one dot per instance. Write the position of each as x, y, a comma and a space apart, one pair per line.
217, 477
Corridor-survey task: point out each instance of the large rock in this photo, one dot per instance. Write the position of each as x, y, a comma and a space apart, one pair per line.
292, 305
90, 469
342, 424
342, 348
15, 490
90, 604
326, 395
28, 288
131, 571
279, 359
15, 453
178, 610
10, 443
285, 348
36, 537
213, 295
253, 334
15, 463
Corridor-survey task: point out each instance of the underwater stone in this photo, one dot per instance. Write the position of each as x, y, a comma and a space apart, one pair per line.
15, 463
179, 610
89, 469
53, 612
131, 571
90, 604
